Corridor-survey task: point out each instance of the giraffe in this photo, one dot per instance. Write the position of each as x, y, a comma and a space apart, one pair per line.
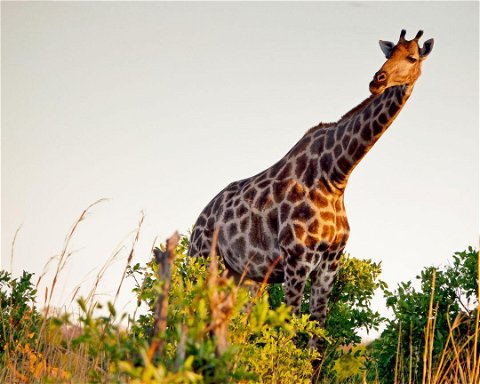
289, 221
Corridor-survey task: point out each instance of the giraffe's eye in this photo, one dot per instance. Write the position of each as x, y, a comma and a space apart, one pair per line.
411, 59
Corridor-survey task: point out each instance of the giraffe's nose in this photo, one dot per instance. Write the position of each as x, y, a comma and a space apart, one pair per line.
380, 77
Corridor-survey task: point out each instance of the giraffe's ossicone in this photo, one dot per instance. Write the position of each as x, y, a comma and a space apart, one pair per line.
292, 214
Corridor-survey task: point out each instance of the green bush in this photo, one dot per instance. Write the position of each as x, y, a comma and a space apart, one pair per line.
261, 340
261, 330
398, 353
349, 311
19, 318
216, 332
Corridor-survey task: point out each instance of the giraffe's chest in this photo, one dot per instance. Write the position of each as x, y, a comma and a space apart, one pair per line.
329, 224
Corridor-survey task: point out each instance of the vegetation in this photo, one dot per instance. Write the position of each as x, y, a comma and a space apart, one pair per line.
434, 330
197, 326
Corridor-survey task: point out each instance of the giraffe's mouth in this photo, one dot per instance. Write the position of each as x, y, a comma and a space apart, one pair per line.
376, 88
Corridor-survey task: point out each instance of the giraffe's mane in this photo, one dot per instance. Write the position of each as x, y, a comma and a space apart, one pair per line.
346, 116
319, 126
358, 108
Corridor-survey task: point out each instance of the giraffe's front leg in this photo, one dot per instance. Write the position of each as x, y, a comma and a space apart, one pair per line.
296, 274
323, 278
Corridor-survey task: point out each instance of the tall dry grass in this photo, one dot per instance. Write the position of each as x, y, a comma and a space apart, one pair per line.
52, 357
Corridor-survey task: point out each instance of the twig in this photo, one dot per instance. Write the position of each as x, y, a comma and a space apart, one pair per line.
221, 301
164, 261
267, 275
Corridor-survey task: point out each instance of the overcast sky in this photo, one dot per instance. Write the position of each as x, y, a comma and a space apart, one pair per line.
158, 106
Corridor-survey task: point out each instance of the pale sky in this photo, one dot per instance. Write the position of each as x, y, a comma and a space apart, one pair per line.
158, 106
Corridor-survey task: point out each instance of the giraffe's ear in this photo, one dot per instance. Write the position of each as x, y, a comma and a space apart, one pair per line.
386, 47
426, 49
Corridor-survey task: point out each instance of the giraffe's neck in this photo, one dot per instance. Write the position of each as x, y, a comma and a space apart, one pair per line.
342, 145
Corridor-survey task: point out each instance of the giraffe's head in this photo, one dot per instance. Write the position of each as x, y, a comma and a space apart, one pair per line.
403, 65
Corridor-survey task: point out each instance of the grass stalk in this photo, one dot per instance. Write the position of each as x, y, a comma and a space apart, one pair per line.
426, 376
65, 254
476, 362
130, 255
410, 355
13, 248
398, 354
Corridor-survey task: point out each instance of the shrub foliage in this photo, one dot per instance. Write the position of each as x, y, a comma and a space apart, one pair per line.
449, 297
217, 332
